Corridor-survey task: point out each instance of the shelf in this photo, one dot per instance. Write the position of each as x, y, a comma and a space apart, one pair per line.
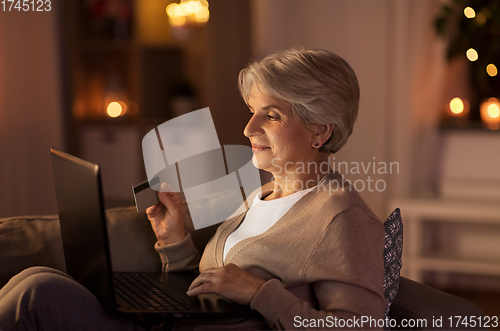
450, 210
446, 264
100, 45
447, 235
454, 125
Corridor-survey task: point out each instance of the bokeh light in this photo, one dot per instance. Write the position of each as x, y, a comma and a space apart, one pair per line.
481, 19
114, 109
188, 12
472, 54
469, 12
456, 106
492, 70
494, 110
490, 113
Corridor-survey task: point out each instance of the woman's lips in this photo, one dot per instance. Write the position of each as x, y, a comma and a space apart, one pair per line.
257, 147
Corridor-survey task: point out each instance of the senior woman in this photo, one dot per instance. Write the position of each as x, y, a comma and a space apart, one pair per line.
308, 249
307, 253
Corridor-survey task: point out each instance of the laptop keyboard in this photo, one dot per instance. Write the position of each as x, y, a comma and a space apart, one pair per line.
145, 293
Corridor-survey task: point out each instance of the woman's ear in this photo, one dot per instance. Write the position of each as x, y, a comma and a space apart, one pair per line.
322, 133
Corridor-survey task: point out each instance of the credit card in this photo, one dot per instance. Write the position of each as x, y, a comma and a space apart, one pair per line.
144, 196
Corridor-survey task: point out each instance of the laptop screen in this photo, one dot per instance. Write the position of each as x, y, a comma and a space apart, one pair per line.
83, 224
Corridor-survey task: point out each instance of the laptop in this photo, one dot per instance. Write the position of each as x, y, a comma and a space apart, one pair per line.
88, 260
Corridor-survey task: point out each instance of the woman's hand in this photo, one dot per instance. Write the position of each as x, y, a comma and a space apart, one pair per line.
229, 281
166, 217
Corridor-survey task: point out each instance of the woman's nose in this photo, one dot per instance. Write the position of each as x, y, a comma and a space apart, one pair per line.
253, 127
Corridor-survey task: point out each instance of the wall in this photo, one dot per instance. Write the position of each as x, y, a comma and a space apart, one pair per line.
399, 63
228, 51
30, 111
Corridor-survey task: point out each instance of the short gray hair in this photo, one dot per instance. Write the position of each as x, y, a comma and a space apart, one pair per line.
320, 86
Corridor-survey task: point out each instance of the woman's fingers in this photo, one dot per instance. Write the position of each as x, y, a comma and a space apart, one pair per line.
204, 277
229, 281
169, 200
166, 217
203, 284
164, 198
211, 275
204, 288
166, 187
155, 210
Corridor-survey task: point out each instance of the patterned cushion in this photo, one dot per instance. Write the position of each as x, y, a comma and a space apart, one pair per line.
392, 256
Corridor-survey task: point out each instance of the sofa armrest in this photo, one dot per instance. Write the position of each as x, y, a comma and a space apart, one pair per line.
416, 301
27, 241
131, 241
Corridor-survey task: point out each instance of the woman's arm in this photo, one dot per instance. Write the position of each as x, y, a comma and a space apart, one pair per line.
180, 256
348, 307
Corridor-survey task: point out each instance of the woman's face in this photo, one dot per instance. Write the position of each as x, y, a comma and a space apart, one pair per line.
280, 142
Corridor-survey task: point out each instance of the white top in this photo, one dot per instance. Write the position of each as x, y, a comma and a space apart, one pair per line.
261, 216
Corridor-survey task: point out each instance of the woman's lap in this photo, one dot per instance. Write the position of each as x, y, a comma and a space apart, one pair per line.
47, 299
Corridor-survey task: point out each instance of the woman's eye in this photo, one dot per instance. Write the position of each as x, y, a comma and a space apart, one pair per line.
273, 117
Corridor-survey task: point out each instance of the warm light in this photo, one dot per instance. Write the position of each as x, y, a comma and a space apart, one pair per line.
202, 15
192, 7
180, 11
114, 109
456, 106
492, 70
171, 9
481, 18
490, 113
178, 20
188, 12
124, 107
493, 111
469, 12
471, 54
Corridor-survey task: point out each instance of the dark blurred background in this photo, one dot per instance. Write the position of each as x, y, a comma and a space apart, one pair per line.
61, 69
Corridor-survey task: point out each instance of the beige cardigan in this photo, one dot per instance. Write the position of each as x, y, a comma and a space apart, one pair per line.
324, 257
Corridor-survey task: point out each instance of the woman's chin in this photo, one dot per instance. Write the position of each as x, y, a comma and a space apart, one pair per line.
259, 162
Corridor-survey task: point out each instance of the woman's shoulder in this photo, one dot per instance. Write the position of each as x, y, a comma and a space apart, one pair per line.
335, 196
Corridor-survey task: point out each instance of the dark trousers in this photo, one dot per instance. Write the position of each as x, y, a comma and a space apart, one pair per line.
41, 298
